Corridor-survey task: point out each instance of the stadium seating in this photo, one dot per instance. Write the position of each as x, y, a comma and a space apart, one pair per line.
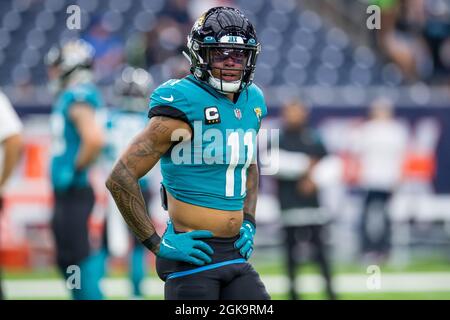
300, 48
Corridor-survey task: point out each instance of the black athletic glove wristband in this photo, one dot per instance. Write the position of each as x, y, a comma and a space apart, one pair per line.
152, 242
251, 218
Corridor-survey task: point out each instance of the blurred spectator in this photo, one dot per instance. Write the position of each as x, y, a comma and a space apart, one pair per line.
164, 41
303, 218
10, 147
177, 9
135, 48
415, 34
394, 39
109, 51
436, 31
380, 145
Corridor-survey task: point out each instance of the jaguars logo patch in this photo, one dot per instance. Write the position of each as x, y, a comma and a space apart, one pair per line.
258, 113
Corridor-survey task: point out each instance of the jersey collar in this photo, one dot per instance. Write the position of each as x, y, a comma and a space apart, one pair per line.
216, 94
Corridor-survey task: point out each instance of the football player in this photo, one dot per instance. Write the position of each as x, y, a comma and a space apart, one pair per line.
77, 139
203, 130
125, 121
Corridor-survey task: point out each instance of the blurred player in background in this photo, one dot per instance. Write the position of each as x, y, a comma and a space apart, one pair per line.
380, 145
303, 218
78, 138
213, 199
10, 147
125, 121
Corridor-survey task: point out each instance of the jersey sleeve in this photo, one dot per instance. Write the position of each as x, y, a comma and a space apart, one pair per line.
82, 94
169, 101
259, 95
263, 104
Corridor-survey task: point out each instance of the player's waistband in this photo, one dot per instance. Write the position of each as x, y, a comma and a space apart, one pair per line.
224, 254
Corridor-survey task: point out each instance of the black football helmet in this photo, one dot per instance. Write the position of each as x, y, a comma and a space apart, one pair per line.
73, 55
74, 60
228, 30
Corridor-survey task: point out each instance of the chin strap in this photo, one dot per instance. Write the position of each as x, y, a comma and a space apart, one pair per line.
219, 84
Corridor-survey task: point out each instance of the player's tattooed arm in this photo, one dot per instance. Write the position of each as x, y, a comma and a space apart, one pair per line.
141, 156
252, 190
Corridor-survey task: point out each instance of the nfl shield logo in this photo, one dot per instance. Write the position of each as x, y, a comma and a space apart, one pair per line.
237, 113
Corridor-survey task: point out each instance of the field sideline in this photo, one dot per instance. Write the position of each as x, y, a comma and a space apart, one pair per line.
420, 279
423, 285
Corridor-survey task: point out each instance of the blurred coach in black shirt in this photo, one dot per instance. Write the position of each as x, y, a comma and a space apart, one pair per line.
303, 218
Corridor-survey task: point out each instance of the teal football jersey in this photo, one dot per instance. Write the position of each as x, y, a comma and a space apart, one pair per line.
65, 138
122, 126
210, 170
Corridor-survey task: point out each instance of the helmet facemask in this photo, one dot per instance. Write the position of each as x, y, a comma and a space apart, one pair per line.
227, 66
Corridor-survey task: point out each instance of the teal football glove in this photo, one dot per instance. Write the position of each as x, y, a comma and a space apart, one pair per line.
184, 247
245, 241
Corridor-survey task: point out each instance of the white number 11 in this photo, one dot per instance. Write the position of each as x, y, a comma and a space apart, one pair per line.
233, 142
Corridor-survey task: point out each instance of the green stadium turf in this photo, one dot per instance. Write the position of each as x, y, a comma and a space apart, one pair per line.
264, 268
274, 267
